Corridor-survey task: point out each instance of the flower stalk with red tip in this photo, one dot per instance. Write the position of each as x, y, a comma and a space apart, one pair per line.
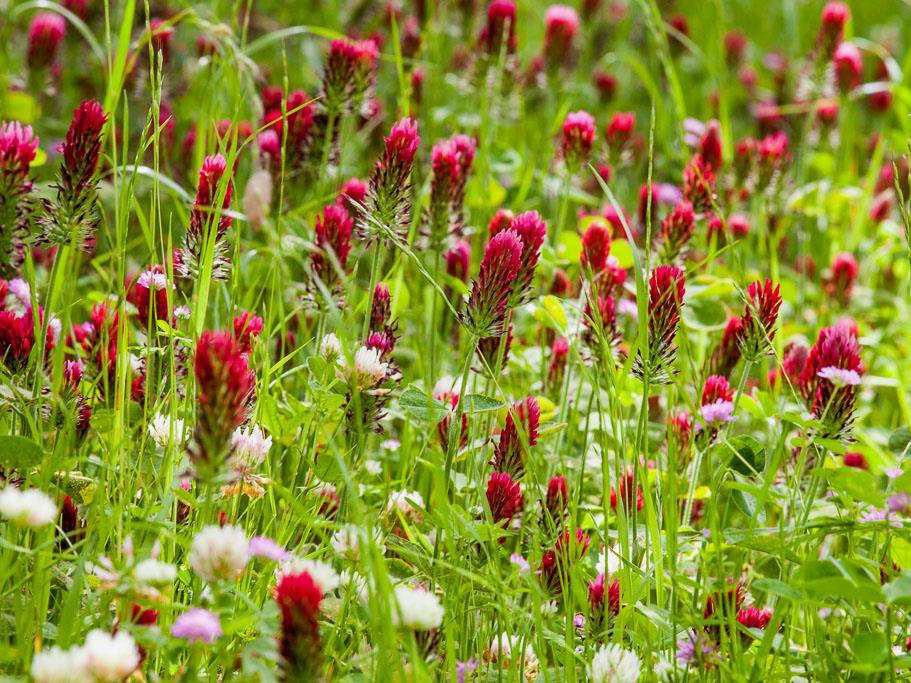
73, 217
388, 202
224, 388
204, 242
656, 355
298, 597
760, 314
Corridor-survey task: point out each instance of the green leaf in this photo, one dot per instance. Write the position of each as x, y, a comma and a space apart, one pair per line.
858, 484
421, 406
19, 453
478, 403
748, 457
898, 591
869, 648
776, 587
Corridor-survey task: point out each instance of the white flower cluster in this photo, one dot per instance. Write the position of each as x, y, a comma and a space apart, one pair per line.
219, 553
613, 664
417, 609
104, 658
249, 448
162, 427
29, 508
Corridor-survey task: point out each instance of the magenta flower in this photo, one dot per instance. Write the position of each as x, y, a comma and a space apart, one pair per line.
18, 146
532, 230
666, 288
265, 547
197, 625
489, 300
45, 34
389, 198
578, 136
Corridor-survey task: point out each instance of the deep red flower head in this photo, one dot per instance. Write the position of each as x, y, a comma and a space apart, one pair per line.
247, 327
69, 515
753, 617
596, 595
760, 314
224, 386
561, 24
532, 230
499, 221
843, 276
142, 616
596, 243
446, 163
381, 307
504, 496
699, 183
146, 288
794, 362
572, 547
620, 128
716, 388
832, 26
207, 187
855, 460
500, 27
578, 135
773, 150
467, 147
298, 598
739, 225
735, 45
606, 83
519, 435
45, 34
681, 425
350, 69
677, 228
624, 493
557, 496
83, 143
849, 66
458, 260
666, 288
727, 353
333, 231
710, 145
497, 276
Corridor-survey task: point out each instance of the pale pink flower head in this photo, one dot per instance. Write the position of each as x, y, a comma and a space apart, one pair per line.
18, 146
561, 24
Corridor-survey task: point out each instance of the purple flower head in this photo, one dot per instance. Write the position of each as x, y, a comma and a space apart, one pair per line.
263, 546
197, 625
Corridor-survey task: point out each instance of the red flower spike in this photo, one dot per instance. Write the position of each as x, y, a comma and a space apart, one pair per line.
298, 598
224, 386
666, 289
832, 27
676, 231
389, 197
458, 260
491, 291
759, 317
208, 190
725, 356
753, 617
519, 435
504, 496
532, 230
578, 136
333, 236
45, 35
500, 29
596, 243
557, 498
561, 25
716, 388
247, 327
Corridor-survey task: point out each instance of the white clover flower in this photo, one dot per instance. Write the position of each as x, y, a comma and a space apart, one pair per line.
373, 467
249, 448
162, 426
110, 658
330, 347
322, 574
22, 293
182, 312
613, 664
417, 609
30, 508
407, 503
501, 650
153, 572
369, 368
56, 665
346, 542
219, 552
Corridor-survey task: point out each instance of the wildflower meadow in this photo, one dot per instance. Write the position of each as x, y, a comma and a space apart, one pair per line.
455, 340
